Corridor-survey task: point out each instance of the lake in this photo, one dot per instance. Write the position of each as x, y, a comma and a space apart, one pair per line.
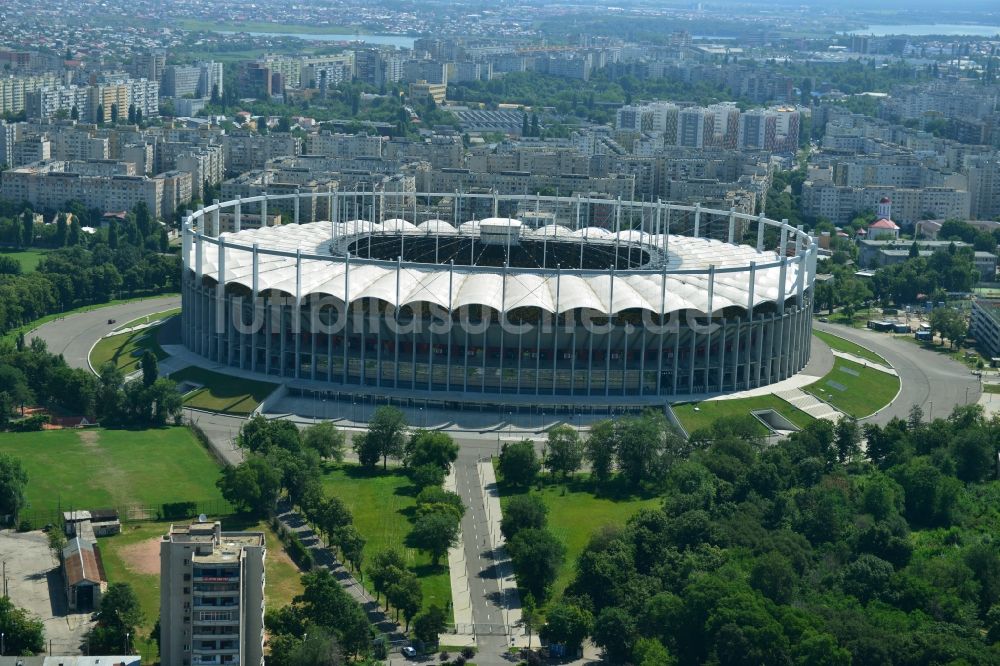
399, 41
923, 29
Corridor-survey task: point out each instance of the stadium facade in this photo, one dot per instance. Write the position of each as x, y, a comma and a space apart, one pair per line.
513, 300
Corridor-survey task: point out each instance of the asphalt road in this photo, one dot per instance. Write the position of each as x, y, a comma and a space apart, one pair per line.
929, 379
74, 335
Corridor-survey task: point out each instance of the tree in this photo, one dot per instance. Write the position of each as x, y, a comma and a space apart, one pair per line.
600, 449
615, 632
24, 635
406, 594
74, 113
433, 498
118, 616
537, 556
430, 447
317, 647
429, 625
143, 221
530, 615
332, 515
352, 545
138, 117
518, 463
847, 436
252, 486
131, 114
367, 450
325, 603
949, 324
325, 439
772, 575
523, 512
387, 433
100, 114
435, 533
13, 482
424, 476
384, 567
150, 371
650, 652
568, 625
114, 114
564, 450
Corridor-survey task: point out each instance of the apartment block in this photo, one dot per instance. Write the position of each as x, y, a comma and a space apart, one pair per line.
211, 596
50, 184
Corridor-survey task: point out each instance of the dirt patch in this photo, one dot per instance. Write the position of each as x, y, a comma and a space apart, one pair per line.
89, 438
143, 557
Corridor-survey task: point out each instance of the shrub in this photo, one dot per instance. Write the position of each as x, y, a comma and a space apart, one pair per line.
175, 510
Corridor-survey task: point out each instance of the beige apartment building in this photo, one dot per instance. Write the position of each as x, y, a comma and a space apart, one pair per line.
211, 596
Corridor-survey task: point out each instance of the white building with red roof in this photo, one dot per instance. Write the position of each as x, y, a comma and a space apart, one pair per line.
883, 228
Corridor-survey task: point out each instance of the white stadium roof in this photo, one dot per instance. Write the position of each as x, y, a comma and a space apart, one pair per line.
485, 286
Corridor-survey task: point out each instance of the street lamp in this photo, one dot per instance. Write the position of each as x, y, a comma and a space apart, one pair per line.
127, 635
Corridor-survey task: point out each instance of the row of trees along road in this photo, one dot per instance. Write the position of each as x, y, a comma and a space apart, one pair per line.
810, 551
426, 457
323, 625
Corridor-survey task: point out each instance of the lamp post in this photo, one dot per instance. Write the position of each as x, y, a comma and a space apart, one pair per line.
127, 636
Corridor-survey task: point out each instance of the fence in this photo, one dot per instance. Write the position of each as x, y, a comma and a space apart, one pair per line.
37, 517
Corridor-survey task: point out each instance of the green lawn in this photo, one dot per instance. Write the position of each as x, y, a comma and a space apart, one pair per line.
149, 318
576, 513
694, 416
95, 468
123, 554
991, 388
854, 389
840, 344
222, 393
382, 504
29, 259
125, 350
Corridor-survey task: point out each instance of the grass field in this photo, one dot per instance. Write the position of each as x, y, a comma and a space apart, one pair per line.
840, 344
222, 393
854, 389
133, 557
148, 319
29, 259
991, 388
96, 468
126, 350
382, 504
708, 411
576, 513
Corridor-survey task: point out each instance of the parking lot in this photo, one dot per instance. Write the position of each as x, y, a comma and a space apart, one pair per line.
35, 583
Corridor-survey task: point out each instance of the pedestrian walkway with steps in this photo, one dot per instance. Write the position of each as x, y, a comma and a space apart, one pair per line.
810, 404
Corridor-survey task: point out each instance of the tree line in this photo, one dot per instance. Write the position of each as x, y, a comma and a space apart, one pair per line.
128, 258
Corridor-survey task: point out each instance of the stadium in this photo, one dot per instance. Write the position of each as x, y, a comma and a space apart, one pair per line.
455, 299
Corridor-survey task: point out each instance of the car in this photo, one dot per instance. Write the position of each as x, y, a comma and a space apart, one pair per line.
824, 319
409, 652
111, 321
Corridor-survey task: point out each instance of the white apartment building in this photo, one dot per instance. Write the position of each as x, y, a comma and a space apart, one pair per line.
839, 203
211, 596
328, 144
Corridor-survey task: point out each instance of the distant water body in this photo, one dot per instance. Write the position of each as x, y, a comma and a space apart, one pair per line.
399, 41
924, 29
